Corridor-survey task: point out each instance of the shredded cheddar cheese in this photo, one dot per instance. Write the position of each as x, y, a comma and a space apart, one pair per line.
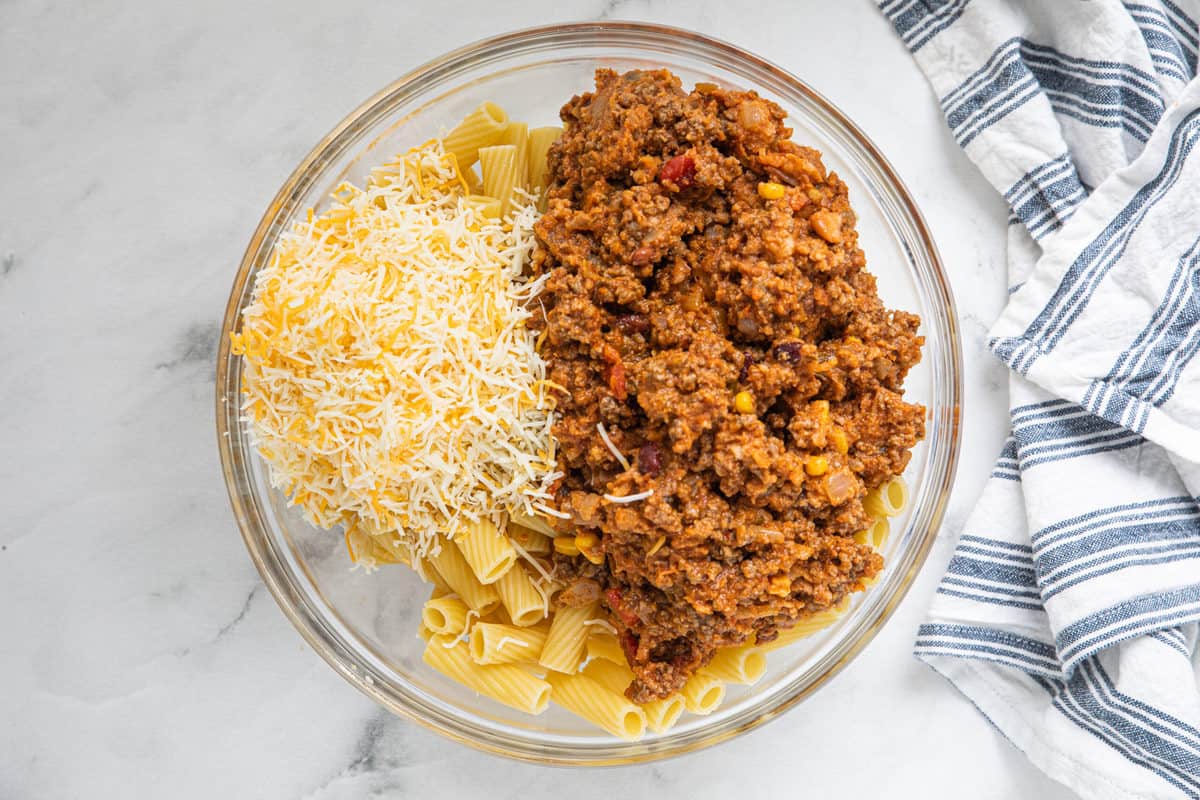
390, 381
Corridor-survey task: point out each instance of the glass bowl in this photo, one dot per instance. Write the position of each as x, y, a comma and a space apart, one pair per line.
364, 625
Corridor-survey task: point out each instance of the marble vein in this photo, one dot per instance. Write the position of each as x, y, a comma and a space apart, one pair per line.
196, 344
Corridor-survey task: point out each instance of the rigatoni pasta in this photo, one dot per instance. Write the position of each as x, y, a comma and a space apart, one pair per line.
581, 695
521, 599
482, 127
888, 500
567, 639
493, 643
459, 576
446, 615
876, 534
702, 693
519, 517
540, 140
487, 206
805, 627
498, 163
529, 540
612, 676
517, 134
604, 645
504, 683
743, 665
486, 550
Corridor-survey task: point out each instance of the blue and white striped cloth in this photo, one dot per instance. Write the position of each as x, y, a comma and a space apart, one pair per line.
1069, 612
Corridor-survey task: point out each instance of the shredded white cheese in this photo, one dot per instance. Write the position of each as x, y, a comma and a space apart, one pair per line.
629, 498
553, 512
533, 562
510, 640
391, 381
612, 447
601, 623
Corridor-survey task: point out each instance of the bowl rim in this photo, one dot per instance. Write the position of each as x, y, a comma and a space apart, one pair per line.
362, 116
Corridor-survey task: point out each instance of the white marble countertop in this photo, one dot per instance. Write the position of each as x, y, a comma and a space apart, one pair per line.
141, 656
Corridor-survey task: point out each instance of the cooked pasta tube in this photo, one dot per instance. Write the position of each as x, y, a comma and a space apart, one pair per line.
540, 140
660, 714
445, 615
428, 573
487, 206
482, 127
524, 603
499, 166
604, 646
744, 665
371, 550
474, 182
567, 639
585, 697
457, 574
492, 643
702, 693
534, 523
876, 533
517, 134
614, 677
499, 616
486, 550
504, 683
805, 627
529, 540
888, 500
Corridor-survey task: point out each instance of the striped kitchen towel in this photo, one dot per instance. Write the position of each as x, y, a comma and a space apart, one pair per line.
1069, 612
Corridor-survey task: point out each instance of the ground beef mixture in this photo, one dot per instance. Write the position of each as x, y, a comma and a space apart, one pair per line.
708, 304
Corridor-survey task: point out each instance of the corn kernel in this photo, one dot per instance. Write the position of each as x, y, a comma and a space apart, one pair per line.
822, 409
814, 465
565, 545
744, 403
770, 191
586, 541
841, 442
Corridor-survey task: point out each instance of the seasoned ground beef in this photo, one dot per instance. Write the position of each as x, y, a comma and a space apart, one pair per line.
708, 304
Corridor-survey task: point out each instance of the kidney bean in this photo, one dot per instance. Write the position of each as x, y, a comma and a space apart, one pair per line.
788, 352
680, 170
649, 460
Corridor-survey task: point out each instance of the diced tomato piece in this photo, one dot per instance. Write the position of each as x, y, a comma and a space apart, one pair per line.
629, 644
616, 381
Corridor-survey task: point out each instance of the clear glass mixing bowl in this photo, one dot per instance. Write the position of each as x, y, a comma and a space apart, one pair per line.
365, 625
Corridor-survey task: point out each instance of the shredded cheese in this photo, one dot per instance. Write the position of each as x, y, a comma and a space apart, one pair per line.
601, 623
553, 512
391, 381
510, 640
533, 562
612, 448
629, 498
